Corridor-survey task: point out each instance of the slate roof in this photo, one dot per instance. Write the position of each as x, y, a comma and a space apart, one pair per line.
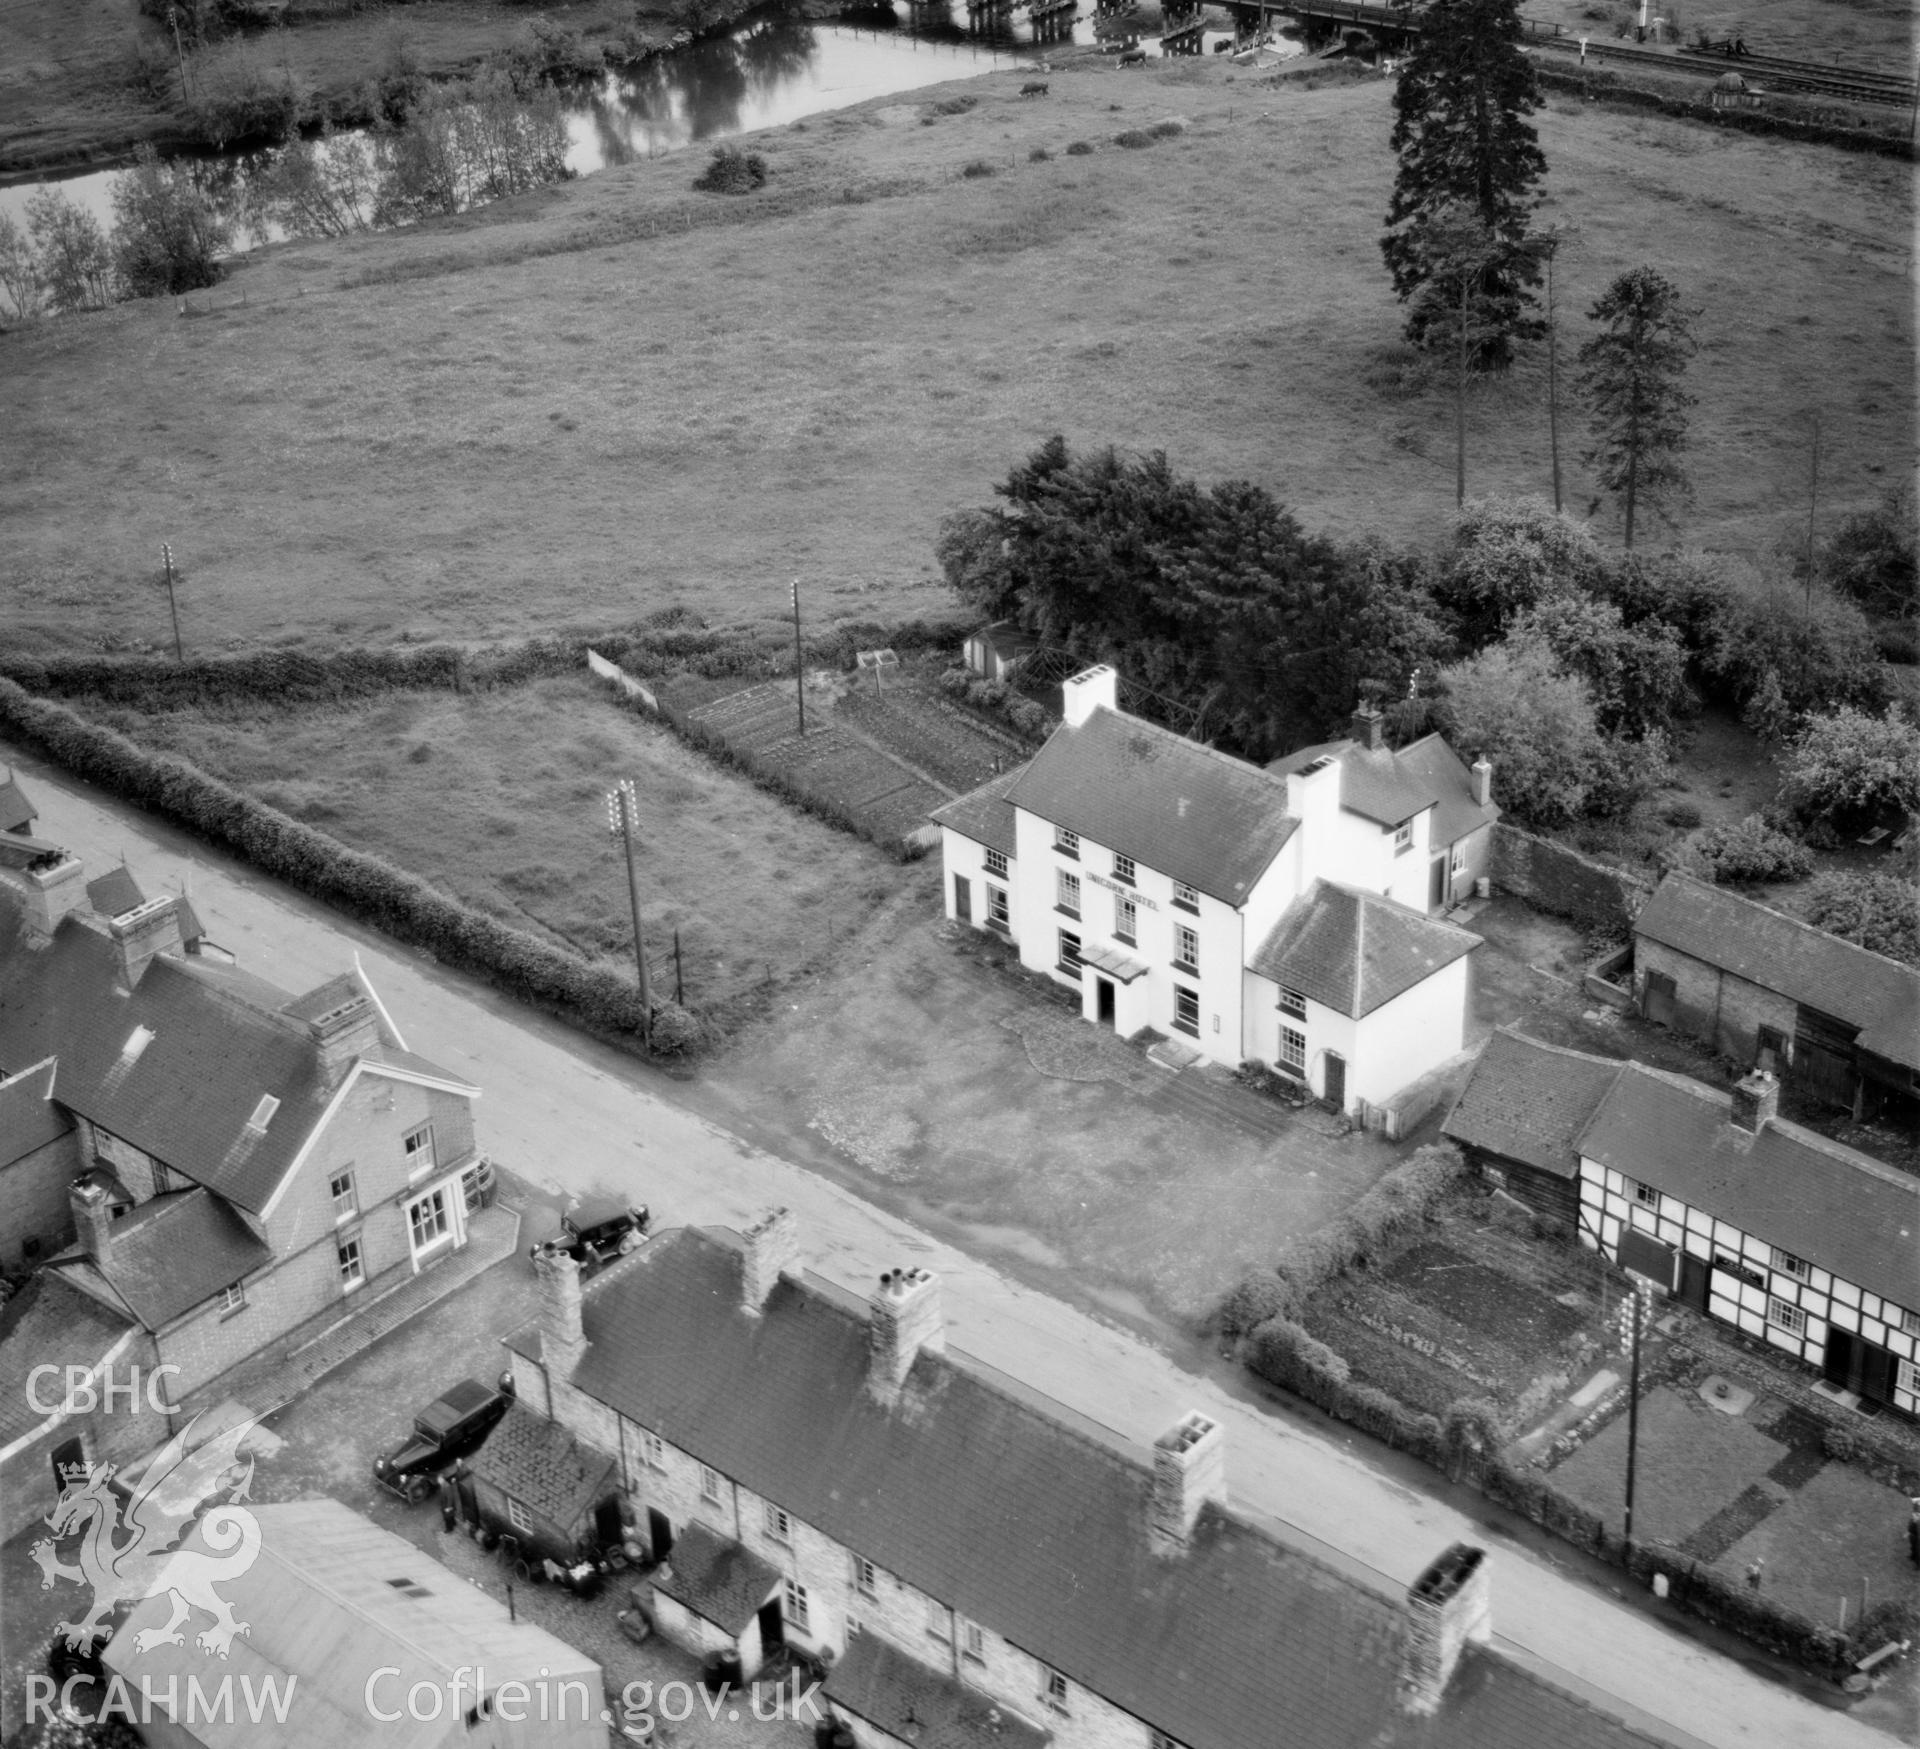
1354, 952
115, 893
188, 1095
1005, 638
1390, 786
15, 810
1432, 764
28, 1117
1878, 995
1837, 1208
542, 1466
1528, 1101
1205, 818
717, 1578
173, 1252
984, 814
1009, 1514
48, 1322
914, 1703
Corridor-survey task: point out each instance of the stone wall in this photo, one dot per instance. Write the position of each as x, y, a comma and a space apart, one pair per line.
1563, 883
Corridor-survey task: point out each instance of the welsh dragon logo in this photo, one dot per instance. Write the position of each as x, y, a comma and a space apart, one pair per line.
177, 1492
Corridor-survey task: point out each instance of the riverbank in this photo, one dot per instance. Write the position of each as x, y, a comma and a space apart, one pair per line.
83, 82
619, 395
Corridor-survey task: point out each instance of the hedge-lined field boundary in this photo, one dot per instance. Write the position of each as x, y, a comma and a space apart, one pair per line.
364, 886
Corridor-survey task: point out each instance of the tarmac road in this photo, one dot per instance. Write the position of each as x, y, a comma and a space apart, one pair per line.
560, 1108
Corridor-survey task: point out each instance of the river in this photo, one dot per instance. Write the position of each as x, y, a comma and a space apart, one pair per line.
765, 72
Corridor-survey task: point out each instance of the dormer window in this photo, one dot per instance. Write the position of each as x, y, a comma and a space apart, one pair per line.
263, 1114
1403, 837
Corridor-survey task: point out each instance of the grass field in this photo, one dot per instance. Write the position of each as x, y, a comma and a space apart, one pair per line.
498, 798
619, 395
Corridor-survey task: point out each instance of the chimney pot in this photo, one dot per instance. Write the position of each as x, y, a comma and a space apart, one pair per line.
48, 894
773, 1246
903, 1319
1448, 1607
1189, 1469
347, 1031
1482, 783
1756, 1102
92, 1217
563, 1337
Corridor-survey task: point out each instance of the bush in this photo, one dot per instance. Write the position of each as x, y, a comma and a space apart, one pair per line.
166, 238
1510, 554
976, 169
1039, 155
1387, 1216
1251, 1302
1133, 139
986, 694
1285, 1354
1848, 769
954, 105
1880, 912
1871, 558
1682, 816
1167, 130
1079, 149
732, 171
1744, 854
1778, 658
955, 681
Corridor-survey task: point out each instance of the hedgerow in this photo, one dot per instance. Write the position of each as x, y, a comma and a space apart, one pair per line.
366, 887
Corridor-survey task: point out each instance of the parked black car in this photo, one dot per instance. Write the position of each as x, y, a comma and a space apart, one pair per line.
597, 1229
453, 1426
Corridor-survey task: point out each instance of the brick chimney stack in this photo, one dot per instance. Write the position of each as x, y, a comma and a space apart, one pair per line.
1449, 1607
903, 1319
1482, 783
1756, 1102
773, 1246
349, 1029
92, 1217
143, 934
1368, 726
46, 894
563, 1336
1189, 1469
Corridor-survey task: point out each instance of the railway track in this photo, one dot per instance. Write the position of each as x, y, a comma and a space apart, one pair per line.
1769, 72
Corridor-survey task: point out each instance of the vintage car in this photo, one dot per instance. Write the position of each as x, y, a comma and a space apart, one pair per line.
454, 1425
596, 1229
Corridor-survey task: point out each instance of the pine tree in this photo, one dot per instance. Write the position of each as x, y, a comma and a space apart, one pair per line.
1463, 139
1630, 374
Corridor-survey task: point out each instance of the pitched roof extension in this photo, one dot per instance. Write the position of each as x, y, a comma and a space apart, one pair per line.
913, 1703
48, 1322
543, 1466
173, 1252
720, 1580
984, 814
1432, 763
1354, 952
1837, 1208
1196, 815
15, 810
29, 1119
995, 1502
1528, 1101
1390, 786
1878, 995
115, 893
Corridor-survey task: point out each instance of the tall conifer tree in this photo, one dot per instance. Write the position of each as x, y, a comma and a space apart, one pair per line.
1461, 132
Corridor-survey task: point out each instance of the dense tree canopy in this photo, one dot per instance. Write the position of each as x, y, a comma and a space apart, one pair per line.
1210, 596
1463, 140
1850, 769
166, 237
1880, 912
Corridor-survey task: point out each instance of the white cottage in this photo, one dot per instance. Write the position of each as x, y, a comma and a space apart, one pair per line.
1276, 915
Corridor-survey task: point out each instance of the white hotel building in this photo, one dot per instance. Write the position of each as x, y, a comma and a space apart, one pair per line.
1277, 915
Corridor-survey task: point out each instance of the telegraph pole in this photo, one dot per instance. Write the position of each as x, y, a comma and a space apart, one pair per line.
173, 606
1633, 1311
622, 820
799, 662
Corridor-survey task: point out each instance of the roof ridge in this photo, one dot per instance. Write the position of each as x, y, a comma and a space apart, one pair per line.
1232, 759
1716, 892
